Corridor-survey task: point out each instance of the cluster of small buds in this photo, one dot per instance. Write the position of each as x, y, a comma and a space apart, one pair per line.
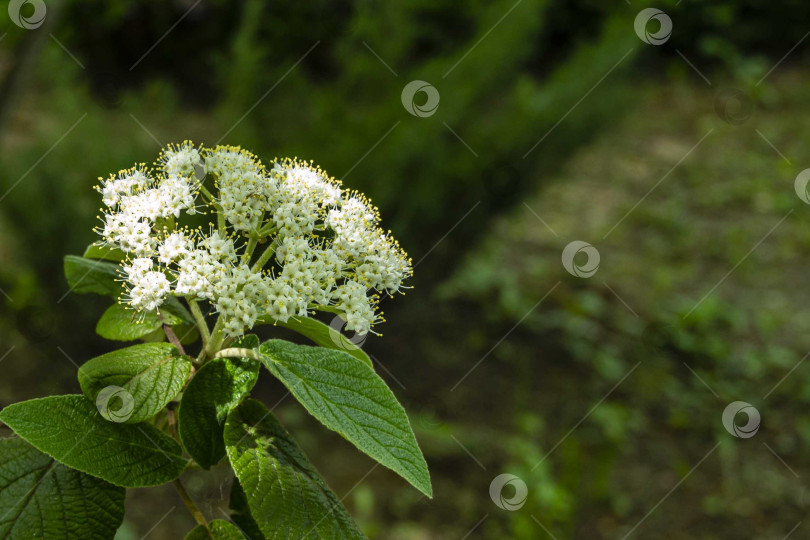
286, 239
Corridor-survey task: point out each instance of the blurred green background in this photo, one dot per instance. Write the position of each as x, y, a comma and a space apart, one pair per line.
556, 123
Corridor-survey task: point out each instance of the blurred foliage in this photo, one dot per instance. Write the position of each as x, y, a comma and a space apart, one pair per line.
103, 84
698, 302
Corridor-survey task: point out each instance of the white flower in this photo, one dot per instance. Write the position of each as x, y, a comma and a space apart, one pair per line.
176, 194
125, 184
320, 246
220, 247
138, 268
129, 233
192, 277
181, 159
352, 300
148, 290
173, 247
241, 292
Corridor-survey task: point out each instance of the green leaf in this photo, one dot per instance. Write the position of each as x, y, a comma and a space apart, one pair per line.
40, 498
186, 330
144, 377
216, 388
346, 395
90, 276
187, 333
217, 530
240, 512
158, 336
286, 495
104, 253
71, 430
325, 336
176, 308
120, 323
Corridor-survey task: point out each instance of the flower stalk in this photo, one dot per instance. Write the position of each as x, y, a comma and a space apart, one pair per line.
265, 256
199, 318
189, 502
237, 352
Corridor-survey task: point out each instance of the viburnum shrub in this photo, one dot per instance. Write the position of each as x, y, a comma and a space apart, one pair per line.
211, 235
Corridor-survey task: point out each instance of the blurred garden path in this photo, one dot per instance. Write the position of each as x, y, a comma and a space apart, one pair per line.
616, 383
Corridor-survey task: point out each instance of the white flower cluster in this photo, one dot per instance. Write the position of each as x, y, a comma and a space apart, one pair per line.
286, 240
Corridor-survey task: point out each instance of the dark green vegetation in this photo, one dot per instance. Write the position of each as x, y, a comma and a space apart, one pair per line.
517, 409
699, 301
